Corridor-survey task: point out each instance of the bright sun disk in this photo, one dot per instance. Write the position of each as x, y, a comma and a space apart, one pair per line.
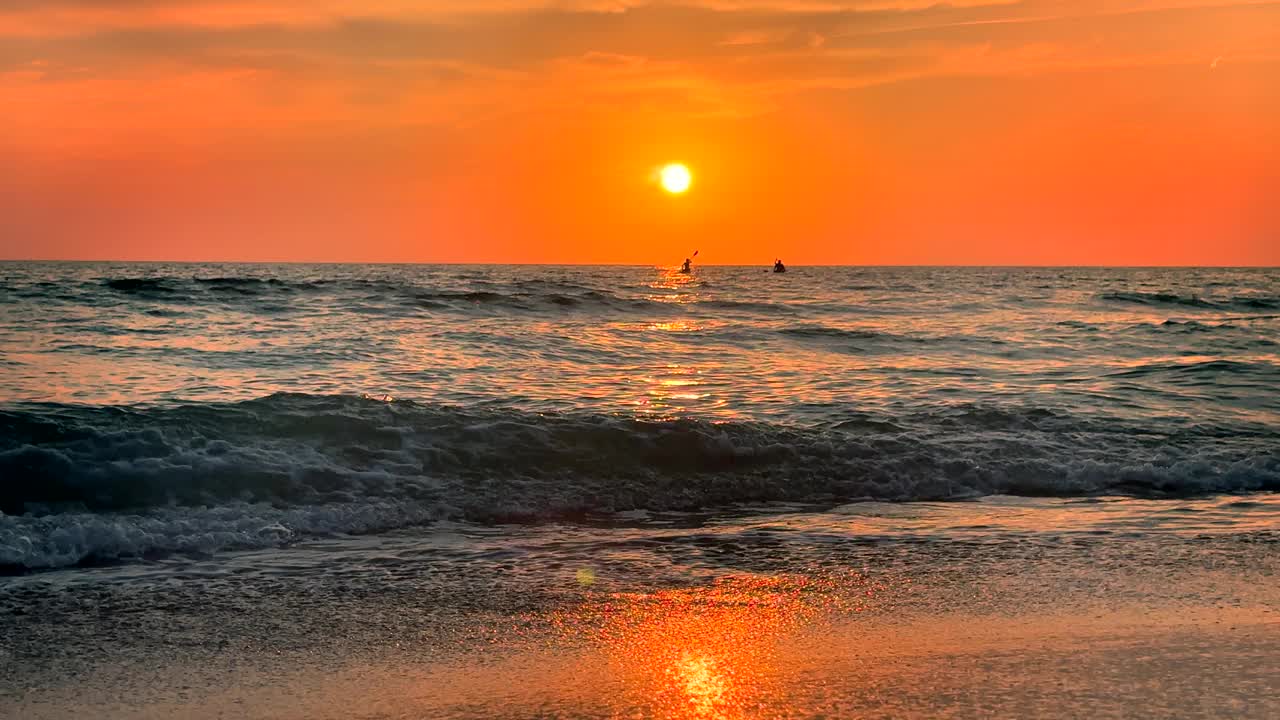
676, 178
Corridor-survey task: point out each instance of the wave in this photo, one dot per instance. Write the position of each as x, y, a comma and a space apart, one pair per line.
84, 538
862, 339
246, 286
385, 296
1242, 302
1191, 326
1213, 368
86, 484
824, 332
139, 286
748, 306
530, 301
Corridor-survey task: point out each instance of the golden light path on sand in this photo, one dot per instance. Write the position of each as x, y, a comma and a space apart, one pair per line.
835, 644
723, 651
789, 646
708, 652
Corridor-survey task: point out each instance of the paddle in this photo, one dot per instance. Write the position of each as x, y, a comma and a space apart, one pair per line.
685, 268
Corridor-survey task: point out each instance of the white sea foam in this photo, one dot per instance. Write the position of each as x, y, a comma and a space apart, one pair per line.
95, 484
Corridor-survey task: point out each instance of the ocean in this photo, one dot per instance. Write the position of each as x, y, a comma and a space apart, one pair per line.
356, 460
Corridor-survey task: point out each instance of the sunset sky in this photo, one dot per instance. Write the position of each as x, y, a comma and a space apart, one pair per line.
875, 131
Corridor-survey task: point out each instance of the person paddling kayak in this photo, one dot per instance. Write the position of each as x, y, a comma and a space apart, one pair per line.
687, 267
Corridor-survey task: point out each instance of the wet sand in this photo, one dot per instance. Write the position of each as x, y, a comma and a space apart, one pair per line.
749, 663
744, 646
1006, 608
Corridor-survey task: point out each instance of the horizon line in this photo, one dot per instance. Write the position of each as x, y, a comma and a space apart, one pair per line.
623, 264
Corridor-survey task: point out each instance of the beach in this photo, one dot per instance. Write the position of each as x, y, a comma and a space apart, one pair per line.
781, 614
296, 491
605, 359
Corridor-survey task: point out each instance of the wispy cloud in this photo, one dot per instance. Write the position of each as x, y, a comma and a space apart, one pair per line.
733, 42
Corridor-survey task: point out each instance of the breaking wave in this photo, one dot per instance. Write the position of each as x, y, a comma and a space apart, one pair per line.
86, 484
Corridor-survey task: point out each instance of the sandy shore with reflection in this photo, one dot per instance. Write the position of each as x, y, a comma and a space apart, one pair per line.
794, 648
769, 646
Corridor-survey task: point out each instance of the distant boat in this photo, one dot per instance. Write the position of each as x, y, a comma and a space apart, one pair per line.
778, 267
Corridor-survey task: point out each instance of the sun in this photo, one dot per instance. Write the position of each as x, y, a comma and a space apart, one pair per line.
676, 178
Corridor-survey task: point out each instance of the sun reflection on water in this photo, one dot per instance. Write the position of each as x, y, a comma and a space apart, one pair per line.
673, 391
676, 326
673, 286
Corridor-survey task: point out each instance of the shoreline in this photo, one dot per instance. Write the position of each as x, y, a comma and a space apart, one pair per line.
728, 620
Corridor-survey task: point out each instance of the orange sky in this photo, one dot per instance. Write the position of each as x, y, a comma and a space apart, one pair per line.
872, 131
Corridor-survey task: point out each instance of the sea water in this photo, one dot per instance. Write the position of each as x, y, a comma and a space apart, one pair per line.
158, 408
263, 453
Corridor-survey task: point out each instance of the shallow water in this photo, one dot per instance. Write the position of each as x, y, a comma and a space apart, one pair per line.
1004, 607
